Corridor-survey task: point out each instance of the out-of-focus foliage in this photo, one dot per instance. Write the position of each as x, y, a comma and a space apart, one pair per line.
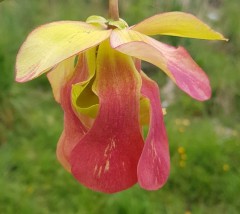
203, 137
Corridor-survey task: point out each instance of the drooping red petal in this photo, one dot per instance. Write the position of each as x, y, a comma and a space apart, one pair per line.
106, 158
175, 62
154, 164
73, 127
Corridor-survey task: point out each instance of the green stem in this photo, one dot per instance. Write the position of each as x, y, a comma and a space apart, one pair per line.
113, 10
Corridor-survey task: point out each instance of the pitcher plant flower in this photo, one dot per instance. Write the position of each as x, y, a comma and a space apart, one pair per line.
94, 68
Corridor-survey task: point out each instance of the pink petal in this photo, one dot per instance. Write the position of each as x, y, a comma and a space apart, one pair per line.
106, 158
175, 62
61, 154
154, 164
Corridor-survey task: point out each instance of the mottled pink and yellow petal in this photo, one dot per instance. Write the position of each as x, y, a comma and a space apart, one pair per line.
106, 158
177, 24
154, 163
175, 62
52, 43
60, 75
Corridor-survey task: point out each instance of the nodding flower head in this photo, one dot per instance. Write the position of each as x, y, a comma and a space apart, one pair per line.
94, 68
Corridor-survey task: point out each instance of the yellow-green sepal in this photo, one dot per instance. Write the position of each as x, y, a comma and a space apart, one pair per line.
97, 21
120, 24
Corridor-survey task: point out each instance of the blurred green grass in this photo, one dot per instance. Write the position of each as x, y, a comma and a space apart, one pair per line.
204, 137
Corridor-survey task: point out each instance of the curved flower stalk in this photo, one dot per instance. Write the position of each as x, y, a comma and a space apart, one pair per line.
94, 70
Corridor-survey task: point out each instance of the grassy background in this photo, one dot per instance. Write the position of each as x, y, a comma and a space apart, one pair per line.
203, 137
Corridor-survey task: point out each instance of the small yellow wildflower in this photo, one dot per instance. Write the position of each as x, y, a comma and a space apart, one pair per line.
226, 167
181, 150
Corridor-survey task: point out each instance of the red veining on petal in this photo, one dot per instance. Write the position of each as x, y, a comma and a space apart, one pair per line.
106, 158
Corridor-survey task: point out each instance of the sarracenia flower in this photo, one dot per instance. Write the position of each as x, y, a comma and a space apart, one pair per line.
94, 68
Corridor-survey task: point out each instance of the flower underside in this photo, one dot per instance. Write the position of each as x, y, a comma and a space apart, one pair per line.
94, 68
